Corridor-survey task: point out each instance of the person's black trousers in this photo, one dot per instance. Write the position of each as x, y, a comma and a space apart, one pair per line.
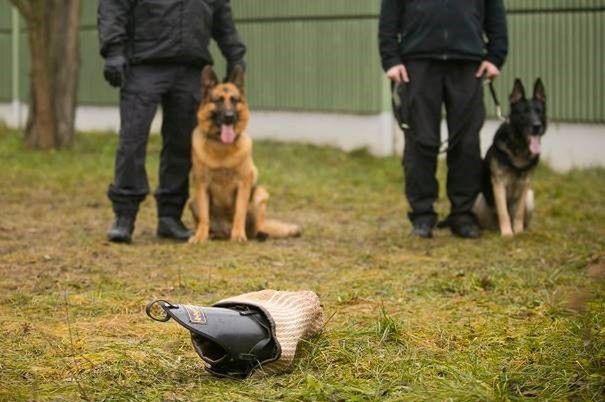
177, 89
434, 83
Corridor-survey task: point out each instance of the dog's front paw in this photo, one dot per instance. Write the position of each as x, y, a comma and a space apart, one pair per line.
239, 236
518, 228
506, 232
197, 239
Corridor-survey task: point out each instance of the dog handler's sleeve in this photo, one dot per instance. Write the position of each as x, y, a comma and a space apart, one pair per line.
112, 21
389, 28
496, 32
227, 37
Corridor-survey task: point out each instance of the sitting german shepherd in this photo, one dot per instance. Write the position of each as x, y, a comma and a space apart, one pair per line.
226, 203
507, 201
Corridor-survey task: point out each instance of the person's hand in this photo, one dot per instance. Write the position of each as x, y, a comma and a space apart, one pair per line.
398, 74
115, 70
487, 70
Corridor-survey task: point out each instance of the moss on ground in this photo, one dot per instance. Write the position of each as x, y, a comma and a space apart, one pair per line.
410, 319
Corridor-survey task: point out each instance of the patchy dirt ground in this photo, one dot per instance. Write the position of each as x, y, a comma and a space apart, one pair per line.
409, 319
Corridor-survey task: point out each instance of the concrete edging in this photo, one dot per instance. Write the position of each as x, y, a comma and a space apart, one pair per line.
565, 146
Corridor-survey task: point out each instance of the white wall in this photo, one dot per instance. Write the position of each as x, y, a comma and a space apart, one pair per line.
564, 146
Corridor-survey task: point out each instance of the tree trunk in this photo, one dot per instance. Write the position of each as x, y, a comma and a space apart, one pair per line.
53, 41
66, 62
40, 131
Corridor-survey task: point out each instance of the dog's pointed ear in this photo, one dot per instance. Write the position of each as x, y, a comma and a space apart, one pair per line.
518, 93
539, 93
209, 81
237, 76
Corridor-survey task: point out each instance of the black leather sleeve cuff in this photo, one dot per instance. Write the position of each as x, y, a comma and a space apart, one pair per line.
497, 61
390, 62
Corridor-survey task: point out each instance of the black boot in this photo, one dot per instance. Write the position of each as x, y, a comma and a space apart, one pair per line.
423, 224
466, 230
121, 229
422, 229
462, 225
170, 227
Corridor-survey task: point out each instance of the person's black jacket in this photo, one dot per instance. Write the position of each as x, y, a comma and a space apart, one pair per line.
173, 31
443, 30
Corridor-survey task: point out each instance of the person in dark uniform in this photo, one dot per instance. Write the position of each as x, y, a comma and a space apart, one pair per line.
154, 52
441, 50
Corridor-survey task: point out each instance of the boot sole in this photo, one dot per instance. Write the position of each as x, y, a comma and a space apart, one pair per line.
119, 239
168, 236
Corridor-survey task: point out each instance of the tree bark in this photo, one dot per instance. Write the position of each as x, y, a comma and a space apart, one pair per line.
54, 48
40, 128
66, 63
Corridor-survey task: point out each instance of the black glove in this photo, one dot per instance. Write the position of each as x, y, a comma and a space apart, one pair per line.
115, 70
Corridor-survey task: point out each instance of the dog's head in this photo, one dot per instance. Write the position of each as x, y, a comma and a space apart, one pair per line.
223, 113
528, 116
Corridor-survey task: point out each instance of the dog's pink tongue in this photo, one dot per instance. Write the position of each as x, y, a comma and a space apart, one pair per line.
534, 144
227, 134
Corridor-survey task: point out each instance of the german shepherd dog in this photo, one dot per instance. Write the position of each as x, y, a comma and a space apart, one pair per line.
507, 201
226, 202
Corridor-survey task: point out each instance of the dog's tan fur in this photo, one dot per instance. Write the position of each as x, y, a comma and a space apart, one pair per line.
226, 203
514, 202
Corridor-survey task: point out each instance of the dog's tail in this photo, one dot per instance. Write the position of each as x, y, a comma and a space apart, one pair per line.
270, 227
278, 229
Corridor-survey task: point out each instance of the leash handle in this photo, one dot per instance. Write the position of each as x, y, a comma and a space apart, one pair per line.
492, 90
399, 104
164, 305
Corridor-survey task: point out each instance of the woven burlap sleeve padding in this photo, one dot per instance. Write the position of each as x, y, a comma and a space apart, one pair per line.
296, 315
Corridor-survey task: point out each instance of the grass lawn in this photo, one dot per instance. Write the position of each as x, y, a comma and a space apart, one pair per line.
409, 319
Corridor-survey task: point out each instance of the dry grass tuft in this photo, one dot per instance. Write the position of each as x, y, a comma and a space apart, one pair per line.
596, 270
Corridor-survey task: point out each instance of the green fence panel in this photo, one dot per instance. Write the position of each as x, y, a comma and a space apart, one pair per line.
5, 68
89, 14
552, 5
565, 50
92, 88
289, 9
325, 65
6, 51
5, 16
313, 65
24, 57
321, 55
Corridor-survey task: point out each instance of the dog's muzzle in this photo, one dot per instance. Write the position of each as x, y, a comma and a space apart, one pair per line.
226, 120
537, 129
229, 117
225, 117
